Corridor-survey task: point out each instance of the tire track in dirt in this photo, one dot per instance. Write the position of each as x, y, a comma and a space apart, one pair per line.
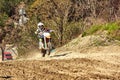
67, 65
71, 69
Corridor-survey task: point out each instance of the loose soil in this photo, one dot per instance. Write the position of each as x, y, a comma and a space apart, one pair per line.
67, 65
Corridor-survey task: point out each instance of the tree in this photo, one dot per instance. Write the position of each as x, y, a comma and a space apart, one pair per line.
55, 14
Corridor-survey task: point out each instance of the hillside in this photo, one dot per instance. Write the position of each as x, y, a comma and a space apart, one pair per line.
86, 37
69, 19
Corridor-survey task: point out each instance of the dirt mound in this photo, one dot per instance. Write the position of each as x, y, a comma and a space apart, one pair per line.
85, 44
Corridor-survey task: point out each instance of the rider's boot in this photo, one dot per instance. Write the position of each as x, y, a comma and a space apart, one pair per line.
43, 52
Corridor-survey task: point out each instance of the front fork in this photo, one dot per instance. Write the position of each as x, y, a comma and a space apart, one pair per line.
43, 43
41, 46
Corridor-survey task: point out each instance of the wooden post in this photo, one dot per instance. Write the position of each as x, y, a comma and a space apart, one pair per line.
2, 46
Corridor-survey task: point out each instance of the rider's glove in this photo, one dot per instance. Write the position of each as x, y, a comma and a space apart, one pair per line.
35, 32
52, 30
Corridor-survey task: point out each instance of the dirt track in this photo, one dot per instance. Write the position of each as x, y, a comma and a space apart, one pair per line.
65, 66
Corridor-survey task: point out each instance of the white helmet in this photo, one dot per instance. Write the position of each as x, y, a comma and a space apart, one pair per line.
40, 24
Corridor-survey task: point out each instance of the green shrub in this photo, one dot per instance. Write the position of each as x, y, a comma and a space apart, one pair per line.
110, 27
113, 30
92, 30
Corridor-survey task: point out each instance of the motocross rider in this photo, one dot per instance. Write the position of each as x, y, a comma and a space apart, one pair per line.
40, 31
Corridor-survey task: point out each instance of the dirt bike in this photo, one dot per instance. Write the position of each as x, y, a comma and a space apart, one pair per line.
45, 44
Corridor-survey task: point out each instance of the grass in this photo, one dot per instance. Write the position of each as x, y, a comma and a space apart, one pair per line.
92, 30
113, 30
111, 27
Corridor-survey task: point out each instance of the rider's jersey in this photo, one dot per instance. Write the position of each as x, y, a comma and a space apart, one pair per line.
41, 31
